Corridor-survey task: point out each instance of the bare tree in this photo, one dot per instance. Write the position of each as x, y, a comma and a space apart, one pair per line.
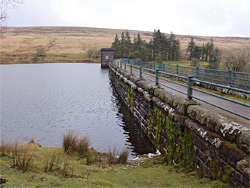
239, 62
90, 52
7, 4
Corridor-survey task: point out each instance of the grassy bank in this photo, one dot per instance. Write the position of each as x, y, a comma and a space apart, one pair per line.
28, 58
30, 165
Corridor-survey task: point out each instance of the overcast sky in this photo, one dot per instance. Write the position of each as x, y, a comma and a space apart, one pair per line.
190, 17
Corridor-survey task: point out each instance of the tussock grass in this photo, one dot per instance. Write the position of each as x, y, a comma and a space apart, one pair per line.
52, 161
83, 145
117, 157
70, 140
22, 156
123, 156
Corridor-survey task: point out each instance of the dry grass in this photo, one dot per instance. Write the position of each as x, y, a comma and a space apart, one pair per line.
117, 157
22, 156
5, 148
52, 161
70, 44
83, 145
72, 142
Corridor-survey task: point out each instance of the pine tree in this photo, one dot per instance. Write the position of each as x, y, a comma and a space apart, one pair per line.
214, 59
197, 52
122, 45
190, 48
116, 47
127, 45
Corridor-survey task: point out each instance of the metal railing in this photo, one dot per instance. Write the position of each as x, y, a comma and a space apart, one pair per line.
156, 75
229, 78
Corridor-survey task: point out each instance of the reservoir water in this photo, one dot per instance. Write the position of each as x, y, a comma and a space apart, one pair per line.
44, 101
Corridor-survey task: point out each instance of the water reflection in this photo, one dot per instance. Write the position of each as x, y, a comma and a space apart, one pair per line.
137, 140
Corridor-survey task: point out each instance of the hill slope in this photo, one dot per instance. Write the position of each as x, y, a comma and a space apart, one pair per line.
70, 44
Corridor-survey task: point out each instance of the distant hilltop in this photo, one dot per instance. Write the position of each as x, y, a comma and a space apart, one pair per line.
71, 44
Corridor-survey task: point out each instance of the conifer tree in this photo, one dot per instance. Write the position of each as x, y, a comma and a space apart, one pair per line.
122, 45
127, 45
116, 46
190, 48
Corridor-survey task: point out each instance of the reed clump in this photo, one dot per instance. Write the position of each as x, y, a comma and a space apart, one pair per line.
22, 156
117, 157
72, 142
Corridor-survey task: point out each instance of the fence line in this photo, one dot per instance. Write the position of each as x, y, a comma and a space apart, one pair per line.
229, 78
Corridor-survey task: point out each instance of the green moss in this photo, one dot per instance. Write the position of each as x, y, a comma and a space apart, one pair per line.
130, 99
160, 121
226, 175
179, 145
232, 148
150, 122
217, 172
179, 142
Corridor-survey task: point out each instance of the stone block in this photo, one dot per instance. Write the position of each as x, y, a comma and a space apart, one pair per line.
243, 166
243, 141
231, 153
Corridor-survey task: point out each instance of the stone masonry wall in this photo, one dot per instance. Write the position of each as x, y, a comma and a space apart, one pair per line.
187, 134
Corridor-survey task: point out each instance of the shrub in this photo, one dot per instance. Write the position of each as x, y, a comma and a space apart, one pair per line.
70, 142
195, 62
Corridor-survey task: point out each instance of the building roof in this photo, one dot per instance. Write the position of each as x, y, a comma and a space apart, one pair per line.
107, 49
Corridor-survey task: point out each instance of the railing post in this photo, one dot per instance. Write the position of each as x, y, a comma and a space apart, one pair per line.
131, 68
157, 77
189, 88
229, 77
197, 72
164, 67
154, 66
125, 65
177, 69
140, 71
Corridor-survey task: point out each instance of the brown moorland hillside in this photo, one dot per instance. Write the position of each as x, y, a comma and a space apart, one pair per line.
70, 44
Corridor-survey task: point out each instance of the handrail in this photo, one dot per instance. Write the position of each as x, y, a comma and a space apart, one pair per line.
236, 79
156, 74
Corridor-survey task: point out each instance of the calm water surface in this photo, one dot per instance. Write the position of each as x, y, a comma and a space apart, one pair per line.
44, 101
